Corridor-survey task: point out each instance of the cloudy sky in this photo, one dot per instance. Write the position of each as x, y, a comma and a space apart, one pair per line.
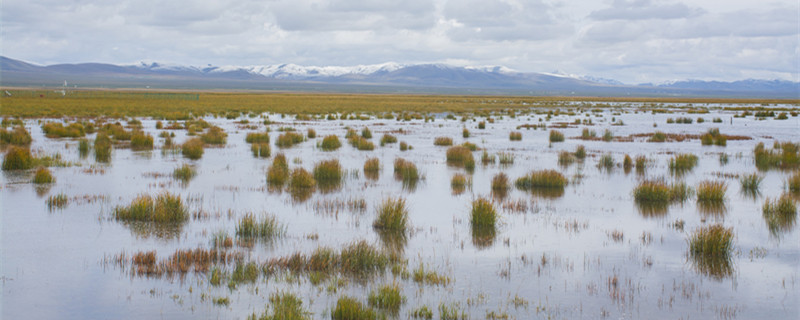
633, 41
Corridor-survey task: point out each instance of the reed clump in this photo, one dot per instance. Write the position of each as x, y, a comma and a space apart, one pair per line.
58, 130
141, 141
711, 191
780, 214
278, 172
387, 139
330, 143
102, 147
266, 228
710, 248
387, 297
751, 183
516, 136
682, 163
17, 158
214, 136
392, 215
658, 191
184, 173
458, 183
460, 156
500, 182
580, 152
257, 137
405, 170
83, 147
556, 136
19, 136
289, 139
261, 150
283, 306
713, 137
361, 143
443, 141
328, 173
301, 180
549, 179
372, 168
483, 214
43, 175
658, 136
606, 162
165, 207
793, 183
192, 148
348, 308
784, 155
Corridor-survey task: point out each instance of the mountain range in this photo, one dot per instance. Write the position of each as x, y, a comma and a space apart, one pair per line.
379, 78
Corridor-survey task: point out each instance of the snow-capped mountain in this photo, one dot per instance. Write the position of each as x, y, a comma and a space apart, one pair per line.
385, 77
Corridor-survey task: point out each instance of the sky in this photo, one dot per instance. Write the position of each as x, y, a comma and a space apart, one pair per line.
633, 41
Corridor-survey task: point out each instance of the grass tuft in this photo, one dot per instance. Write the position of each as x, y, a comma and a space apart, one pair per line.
17, 158
141, 141
443, 141
348, 308
780, 214
711, 191
405, 170
43, 175
278, 172
267, 228
710, 248
257, 137
330, 143
517, 136
289, 139
165, 207
556, 136
192, 148
387, 139
328, 173
372, 168
793, 183
751, 183
387, 297
460, 156
102, 147
483, 214
392, 215
261, 150
214, 136
682, 163
542, 179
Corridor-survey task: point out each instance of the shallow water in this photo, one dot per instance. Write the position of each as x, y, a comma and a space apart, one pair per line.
558, 256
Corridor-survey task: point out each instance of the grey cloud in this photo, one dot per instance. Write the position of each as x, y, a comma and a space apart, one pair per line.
643, 10
328, 15
504, 21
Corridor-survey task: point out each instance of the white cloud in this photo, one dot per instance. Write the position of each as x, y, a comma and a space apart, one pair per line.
632, 41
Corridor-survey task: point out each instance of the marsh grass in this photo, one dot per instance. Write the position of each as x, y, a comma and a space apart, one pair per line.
83, 147
458, 184
751, 183
366, 133
793, 183
547, 179
58, 201
405, 146
429, 277
289, 139
556, 136
184, 173
608, 136
192, 148
17, 158
387, 297
505, 158
640, 164
517, 136
330, 143
452, 312
443, 141
283, 306
301, 180
214, 136
361, 143
257, 137
387, 139
266, 228
311, 133
392, 216
58, 130
348, 308
19, 136
682, 163
711, 191
658, 136
406, 171
483, 214
465, 133
164, 208
261, 150
102, 147
606, 162
780, 214
710, 249
278, 172
328, 173
141, 141
486, 158
372, 168
580, 152
460, 156
422, 312
566, 158
43, 175
784, 155
470, 146
658, 191
713, 137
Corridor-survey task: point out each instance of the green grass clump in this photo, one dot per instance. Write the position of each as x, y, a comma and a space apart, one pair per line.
580, 152
710, 247
141, 141
483, 214
366, 133
566, 158
606, 162
192, 148
451, 312
261, 150
387, 297
751, 183
793, 183
430, 277
550, 179
443, 141
83, 147
58, 201
360, 258
348, 308
404, 146
713, 137
257, 137
470, 146
627, 163
372, 168
328, 171
392, 215
19, 136
301, 180
284, 306
244, 273
640, 163
460, 156
405, 170
102, 147
311, 133
486, 158
556, 136
267, 228
17, 158
657, 191
163, 208
458, 183
517, 136
278, 172
780, 214
588, 134
658, 136
184, 173
784, 155
289, 139
361, 143
500, 182
43, 175
58, 130
482, 125
387, 139
465, 133
422, 312
330, 143
682, 163
711, 191
215, 136
608, 136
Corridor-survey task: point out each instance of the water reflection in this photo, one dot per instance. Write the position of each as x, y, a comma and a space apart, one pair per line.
715, 267
152, 229
547, 193
393, 241
300, 195
779, 222
712, 209
43, 189
652, 209
483, 237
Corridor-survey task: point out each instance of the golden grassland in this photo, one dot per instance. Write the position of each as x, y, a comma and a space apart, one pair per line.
137, 103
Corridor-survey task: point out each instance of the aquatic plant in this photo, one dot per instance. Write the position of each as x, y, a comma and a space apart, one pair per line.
278, 172
751, 182
165, 207
387, 139
214, 136
780, 214
267, 228
192, 148
793, 183
257, 137
387, 297
289, 139
458, 183
284, 306
372, 168
392, 215
465, 133
580, 152
405, 170
348, 308
483, 215
328, 172
422, 312
261, 150
682, 163
710, 249
556, 136
102, 147
460, 156
443, 141
19, 136
517, 136
486, 158
58, 201
330, 143
17, 158
83, 147
606, 162
43, 175
311, 133
301, 180
658, 136
366, 133
711, 191
542, 179
141, 141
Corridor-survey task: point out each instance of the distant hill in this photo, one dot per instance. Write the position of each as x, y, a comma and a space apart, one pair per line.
383, 78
